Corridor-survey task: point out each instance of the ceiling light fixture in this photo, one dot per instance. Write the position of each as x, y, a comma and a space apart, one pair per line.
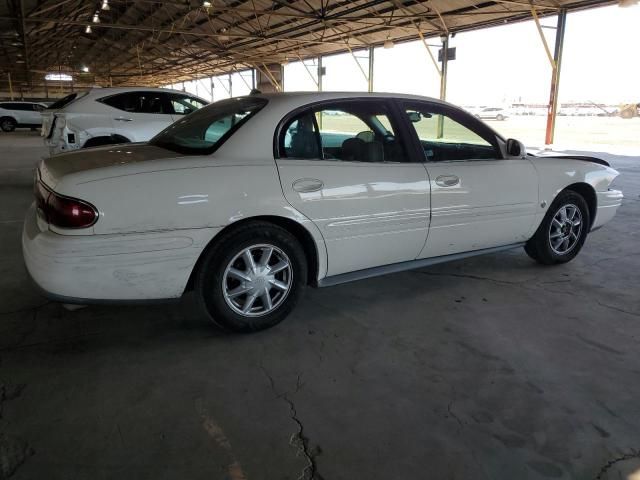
96, 18
88, 29
58, 77
388, 44
206, 4
84, 68
105, 5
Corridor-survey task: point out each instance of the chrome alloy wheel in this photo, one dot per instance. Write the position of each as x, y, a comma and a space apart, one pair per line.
565, 229
257, 280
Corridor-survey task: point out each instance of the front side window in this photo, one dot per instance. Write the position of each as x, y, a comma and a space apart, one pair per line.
204, 131
443, 138
138, 102
353, 131
184, 104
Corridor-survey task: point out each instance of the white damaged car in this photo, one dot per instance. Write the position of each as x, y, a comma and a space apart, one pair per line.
249, 200
109, 116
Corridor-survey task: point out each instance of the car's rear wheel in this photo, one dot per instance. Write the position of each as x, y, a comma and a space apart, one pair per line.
563, 230
252, 278
500, 117
8, 124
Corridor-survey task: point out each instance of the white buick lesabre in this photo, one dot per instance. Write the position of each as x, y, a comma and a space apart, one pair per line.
249, 200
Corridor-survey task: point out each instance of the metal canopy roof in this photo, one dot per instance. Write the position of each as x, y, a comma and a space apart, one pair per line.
150, 42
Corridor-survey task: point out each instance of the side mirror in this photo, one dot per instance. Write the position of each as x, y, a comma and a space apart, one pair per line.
515, 148
414, 117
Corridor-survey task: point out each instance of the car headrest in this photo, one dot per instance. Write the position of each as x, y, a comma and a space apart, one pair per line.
373, 152
353, 149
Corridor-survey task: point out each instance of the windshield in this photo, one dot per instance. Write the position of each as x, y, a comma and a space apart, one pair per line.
205, 130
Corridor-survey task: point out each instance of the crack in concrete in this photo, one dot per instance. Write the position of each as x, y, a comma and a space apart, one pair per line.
298, 439
10, 392
14, 452
472, 277
607, 466
452, 414
534, 283
25, 309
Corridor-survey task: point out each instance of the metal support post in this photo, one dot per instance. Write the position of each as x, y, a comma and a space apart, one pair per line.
320, 73
443, 81
370, 76
555, 78
10, 85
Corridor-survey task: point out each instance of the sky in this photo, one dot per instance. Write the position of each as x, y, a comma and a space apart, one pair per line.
504, 64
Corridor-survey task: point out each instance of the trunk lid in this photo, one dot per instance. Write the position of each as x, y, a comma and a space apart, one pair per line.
95, 163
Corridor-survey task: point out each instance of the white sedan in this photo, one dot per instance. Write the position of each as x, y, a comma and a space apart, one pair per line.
249, 200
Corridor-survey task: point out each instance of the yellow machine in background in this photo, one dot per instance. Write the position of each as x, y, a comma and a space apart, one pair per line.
629, 110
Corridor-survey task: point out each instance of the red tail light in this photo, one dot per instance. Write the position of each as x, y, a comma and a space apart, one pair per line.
64, 212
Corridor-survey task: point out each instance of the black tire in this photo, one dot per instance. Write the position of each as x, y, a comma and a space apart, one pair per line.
539, 246
210, 280
8, 124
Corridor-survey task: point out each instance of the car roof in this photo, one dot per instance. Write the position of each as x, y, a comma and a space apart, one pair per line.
103, 92
310, 97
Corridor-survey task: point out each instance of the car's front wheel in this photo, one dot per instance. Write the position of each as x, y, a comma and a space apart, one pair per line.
8, 124
562, 232
252, 278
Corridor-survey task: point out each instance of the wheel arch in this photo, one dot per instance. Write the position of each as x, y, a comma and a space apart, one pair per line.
589, 194
102, 140
3, 117
299, 231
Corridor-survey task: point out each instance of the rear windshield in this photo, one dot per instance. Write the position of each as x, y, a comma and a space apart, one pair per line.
63, 102
205, 130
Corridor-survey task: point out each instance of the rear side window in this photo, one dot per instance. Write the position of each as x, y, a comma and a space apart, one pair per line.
63, 102
202, 132
348, 130
184, 104
300, 139
17, 106
138, 102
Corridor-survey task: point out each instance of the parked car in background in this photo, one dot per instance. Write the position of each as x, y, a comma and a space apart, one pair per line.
20, 114
250, 199
493, 113
107, 116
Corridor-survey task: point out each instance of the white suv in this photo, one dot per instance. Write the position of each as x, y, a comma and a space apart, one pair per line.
106, 116
20, 114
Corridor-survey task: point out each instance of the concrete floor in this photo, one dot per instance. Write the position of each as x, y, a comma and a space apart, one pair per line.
489, 368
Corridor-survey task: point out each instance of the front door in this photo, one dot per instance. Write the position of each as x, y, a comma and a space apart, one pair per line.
478, 198
345, 167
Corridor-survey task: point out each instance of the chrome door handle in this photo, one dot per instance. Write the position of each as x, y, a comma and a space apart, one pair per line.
447, 181
307, 185
122, 119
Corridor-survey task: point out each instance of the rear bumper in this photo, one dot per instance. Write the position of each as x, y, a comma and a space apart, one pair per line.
608, 203
111, 268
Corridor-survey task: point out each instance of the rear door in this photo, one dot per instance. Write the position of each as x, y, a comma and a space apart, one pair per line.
478, 198
345, 166
140, 115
